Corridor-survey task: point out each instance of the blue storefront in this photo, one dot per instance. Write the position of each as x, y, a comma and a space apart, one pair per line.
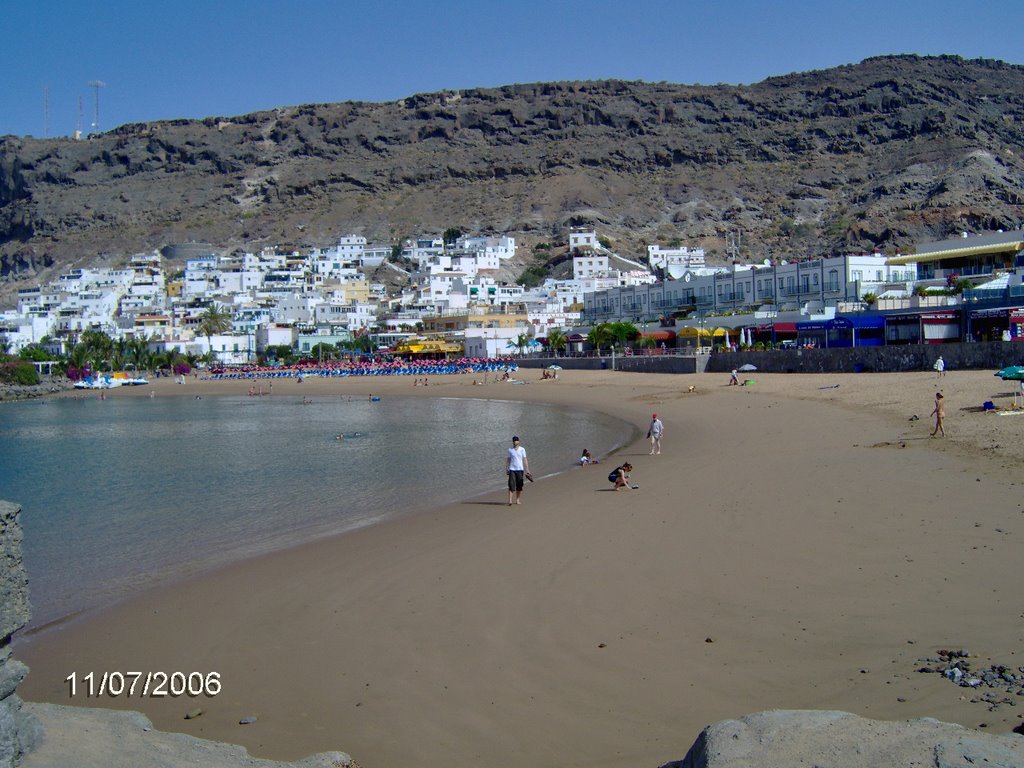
857, 331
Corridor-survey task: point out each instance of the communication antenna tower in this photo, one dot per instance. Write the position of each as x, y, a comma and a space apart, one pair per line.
96, 85
733, 243
78, 125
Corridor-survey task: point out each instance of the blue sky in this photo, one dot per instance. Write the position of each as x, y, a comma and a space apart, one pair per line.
195, 59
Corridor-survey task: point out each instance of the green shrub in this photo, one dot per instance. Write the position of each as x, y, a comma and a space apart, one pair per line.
18, 372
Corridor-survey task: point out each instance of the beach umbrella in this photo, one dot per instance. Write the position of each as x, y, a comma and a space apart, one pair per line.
747, 368
554, 367
1012, 373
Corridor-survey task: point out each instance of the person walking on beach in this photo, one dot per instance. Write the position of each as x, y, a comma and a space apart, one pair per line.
940, 367
939, 412
517, 467
654, 433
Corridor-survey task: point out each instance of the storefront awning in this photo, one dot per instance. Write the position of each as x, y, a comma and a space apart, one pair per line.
956, 253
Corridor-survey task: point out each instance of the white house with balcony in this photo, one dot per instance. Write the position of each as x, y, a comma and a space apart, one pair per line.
18, 331
423, 249
296, 308
589, 265
488, 251
201, 276
676, 262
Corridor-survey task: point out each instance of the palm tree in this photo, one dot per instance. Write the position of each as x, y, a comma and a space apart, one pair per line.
97, 348
119, 354
215, 319
139, 354
520, 342
623, 332
600, 336
557, 340
78, 359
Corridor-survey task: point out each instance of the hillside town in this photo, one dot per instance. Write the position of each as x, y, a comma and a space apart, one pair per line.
444, 299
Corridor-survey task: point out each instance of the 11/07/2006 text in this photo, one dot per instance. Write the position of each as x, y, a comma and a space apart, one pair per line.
154, 684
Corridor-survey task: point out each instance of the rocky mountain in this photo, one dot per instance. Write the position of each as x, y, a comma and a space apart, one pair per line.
882, 154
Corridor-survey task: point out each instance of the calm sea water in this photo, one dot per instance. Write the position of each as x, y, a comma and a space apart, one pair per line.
120, 494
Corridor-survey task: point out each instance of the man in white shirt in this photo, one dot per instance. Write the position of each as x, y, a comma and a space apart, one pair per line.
654, 433
517, 466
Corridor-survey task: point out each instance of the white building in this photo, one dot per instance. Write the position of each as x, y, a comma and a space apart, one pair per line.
274, 335
589, 265
423, 249
583, 239
676, 262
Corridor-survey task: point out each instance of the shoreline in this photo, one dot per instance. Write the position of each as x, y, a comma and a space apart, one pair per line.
578, 622
125, 583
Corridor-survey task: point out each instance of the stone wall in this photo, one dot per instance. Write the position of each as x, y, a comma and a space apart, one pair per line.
18, 731
909, 357
637, 364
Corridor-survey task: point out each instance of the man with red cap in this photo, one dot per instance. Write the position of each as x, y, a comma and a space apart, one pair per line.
654, 433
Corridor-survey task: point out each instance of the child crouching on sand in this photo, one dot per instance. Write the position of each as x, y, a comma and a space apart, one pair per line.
619, 477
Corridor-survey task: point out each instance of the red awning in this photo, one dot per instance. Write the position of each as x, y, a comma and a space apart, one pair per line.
785, 327
658, 335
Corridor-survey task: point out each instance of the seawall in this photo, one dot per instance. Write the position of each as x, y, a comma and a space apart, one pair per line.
907, 357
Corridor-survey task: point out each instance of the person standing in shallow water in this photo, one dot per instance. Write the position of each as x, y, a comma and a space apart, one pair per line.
939, 412
517, 466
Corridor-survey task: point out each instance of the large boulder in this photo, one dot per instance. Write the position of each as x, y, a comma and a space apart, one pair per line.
786, 738
18, 731
106, 738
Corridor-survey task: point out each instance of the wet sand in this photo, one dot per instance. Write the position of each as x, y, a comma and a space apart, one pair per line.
800, 543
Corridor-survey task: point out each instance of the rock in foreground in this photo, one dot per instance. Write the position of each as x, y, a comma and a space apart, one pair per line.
105, 738
786, 738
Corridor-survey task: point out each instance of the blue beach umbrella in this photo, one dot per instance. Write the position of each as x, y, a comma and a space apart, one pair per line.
1012, 373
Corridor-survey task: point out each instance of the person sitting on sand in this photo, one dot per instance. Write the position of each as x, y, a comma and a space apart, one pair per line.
732, 378
586, 458
619, 477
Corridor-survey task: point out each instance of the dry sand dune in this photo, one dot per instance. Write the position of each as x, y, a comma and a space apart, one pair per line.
800, 543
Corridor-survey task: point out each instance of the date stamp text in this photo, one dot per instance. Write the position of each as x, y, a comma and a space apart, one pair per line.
142, 684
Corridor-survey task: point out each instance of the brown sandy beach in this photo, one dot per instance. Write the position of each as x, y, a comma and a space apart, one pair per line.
800, 543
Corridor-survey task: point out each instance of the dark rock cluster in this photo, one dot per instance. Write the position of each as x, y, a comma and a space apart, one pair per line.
30, 391
997, 685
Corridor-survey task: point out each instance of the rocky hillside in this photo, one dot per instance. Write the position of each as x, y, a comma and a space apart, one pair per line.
881, 154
